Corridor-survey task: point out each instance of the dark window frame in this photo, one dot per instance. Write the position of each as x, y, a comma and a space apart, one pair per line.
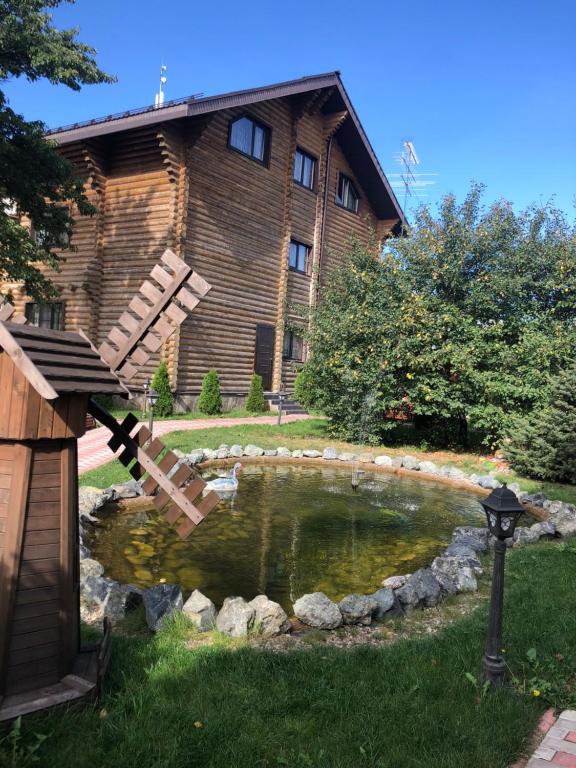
289, 355
267, 139
342, 177
305, 154
307, 260
33, 308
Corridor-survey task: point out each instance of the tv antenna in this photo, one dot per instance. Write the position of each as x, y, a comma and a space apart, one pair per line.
414, 184
159, 97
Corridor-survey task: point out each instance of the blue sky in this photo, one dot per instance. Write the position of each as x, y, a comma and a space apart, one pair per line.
484, 90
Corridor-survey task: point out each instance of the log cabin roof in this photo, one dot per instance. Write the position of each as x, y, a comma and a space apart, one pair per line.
58, 362
351, 134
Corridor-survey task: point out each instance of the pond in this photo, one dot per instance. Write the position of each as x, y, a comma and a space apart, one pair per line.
291, 530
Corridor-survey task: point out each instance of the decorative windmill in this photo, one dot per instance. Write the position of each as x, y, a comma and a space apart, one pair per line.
47, 381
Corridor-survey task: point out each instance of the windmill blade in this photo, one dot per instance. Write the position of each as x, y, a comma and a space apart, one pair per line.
143, 452
153, 315
8, 312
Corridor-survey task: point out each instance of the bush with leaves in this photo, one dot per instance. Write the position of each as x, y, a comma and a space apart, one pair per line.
255, 402
304, 390
210, 400
161, 383
544, 445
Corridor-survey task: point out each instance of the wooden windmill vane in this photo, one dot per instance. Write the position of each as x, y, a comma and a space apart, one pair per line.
47, 380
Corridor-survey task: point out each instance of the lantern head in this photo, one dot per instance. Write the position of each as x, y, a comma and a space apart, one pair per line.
502, 510
152, 397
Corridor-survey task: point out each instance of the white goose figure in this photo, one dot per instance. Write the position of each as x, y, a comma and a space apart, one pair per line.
225, 484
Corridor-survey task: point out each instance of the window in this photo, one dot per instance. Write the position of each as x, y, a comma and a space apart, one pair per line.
304, 169
347, 195
45, 315
250, 138
299, 260
293, 348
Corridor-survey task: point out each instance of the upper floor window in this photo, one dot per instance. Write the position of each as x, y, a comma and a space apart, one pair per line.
293, 347
250, 138
299, 260
45, 315
304, 169
347, 196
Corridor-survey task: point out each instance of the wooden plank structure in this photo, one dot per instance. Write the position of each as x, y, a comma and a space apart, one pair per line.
47, 379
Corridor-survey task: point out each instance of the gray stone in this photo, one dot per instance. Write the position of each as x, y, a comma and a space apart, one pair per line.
316, 610
271, 452
514, 487
201, 611
222, 453
365, 458
84, 552
454, 575
329, 454
410, 462
100, 596
471, 542
357, 609
523, 536
429, 467
209, 454
160, 602
474, 478
345, 456
236, 451
310, 453
236, 617
422, 588
195, 457
455, 474
270, 618
90, 567
537, 499
395, 582
297, 454
383, 461
386, 603
489, 482
397, 462
253, 450
122, 599
129, 490
466, 553
553, 506
478, 537
545, 529
565, 520
285, 452
90, 500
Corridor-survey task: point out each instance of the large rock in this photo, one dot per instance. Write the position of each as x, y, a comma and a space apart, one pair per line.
195, 457
383, 461
201, 611
523, 536
209, 454
297, 454
90, 500
318, 611
100, 597
395, 582
453, 473
330, 454
565, 520
284, 452
422, 588
429, 467
476, 538
310, 453
253, 450
365, 458
397, 462
270, 618
236, 451
160, 602
545, 529
386, 603
357, 609
465, 553
270, 452
90, 567
489, 482
410, 462
128, 490
236, 617
222, 453
346, 456
454, 575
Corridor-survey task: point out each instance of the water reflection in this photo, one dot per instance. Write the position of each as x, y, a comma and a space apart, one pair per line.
290, 530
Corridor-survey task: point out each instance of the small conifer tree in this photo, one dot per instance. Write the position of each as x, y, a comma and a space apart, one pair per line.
544, 446
161, 383
255, 402
210, 400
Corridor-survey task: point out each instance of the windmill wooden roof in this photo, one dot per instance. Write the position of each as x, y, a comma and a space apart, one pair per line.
58, 362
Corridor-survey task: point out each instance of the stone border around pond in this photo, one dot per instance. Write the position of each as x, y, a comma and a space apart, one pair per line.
454, 571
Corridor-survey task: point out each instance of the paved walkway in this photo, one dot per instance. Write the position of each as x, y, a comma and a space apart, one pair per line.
93, 450
558, 747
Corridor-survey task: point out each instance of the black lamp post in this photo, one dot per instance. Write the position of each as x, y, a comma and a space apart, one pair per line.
152, 398
281, 398
502, 510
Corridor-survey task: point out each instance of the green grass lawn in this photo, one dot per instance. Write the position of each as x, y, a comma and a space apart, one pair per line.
192, 415
407, 704
313, 433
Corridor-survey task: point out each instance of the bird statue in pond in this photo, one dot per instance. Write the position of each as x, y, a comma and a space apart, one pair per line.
225, 484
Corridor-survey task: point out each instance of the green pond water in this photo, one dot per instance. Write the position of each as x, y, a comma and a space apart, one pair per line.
291, 530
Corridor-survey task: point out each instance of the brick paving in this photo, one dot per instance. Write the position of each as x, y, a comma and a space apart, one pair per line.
558, 747
93, 450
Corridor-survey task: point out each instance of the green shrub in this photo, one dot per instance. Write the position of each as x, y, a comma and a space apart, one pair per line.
161, 383
544, 445
255, 402
210, 400
304, 388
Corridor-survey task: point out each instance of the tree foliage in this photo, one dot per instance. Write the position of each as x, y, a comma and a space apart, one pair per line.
35, 181
255, 402
462, 323
210, 400
544, 445
161, 383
